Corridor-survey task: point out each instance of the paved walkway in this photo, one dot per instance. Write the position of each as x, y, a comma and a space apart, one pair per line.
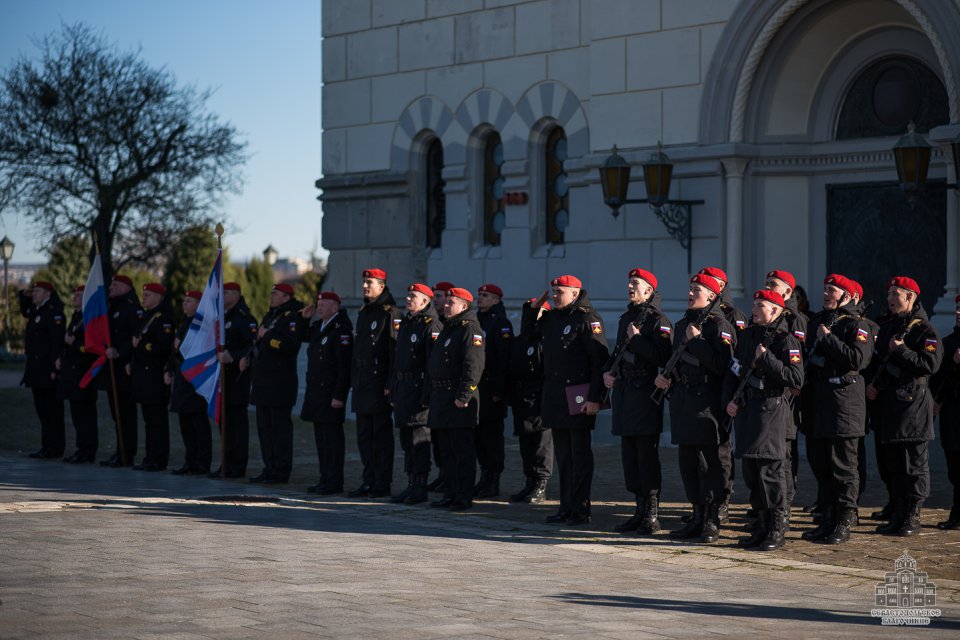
100, 553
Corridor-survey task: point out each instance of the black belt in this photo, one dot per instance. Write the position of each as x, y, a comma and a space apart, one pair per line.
691, 379
751, 392
445, 385
409, 375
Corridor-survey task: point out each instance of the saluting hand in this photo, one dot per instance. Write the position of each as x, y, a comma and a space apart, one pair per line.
308, 310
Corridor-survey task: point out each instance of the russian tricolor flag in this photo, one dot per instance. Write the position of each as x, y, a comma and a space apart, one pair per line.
96, 329
204, 339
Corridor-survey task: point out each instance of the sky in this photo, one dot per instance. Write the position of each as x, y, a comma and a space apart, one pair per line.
261, 58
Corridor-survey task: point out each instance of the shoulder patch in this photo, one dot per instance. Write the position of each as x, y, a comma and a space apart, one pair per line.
726, 337
794, 356
862, 335
665, 330
800, 335
477, 340
595, 327
930, 345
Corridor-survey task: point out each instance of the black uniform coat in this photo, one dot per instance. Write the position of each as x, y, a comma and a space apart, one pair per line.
946, 390
574, 352
152, 355
695, 405
737, 319
74, 364
373, 351
44, 340
498, 333
275, 357
905, 404
124, 313
329, 353
240, 335
765, 411
834, 400
453, 373
415, 340
526, 376
183, 395
634, 412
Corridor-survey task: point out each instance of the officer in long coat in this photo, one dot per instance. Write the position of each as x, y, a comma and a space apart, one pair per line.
190, 406
768, 363
439, 300
909, 351
73, 364
574, 352
644, 341
329, 353
152, 349
696, 409
124, 313
453, 377
498, 333
45, 327
374, 347
274, 385
946, 389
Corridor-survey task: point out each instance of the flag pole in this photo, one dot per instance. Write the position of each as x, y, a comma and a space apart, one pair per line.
220, 346
113, 374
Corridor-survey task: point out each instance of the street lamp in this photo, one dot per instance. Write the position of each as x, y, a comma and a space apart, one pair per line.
657, 173
270, 255
912, 154
6, 252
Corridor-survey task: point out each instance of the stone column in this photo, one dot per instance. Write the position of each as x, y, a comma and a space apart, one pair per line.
734, 170
943, 310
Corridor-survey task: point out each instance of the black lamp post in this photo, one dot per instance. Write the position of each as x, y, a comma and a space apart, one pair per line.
657, 173
6, 252
912, 154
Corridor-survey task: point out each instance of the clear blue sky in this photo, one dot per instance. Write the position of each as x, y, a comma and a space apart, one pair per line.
263, 60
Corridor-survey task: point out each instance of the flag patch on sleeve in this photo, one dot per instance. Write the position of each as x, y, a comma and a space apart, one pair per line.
741, 324
665, 331
396, 324
862, 335
477, 340
930, 344
505, 332
794, 355
345, 338
726, 337
434, 335
800, 335
595, 327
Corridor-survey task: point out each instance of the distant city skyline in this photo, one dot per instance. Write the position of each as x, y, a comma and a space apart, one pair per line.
262, 61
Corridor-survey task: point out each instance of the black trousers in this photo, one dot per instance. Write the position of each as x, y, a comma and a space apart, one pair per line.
126, 422
236, 438
197, 442
375, 442
83, 413
702, 472
835, 465
790, 469
953, 474
883, 463
50, 412
862, 463
415, 442
458, 461
728, 466
156, 428
640, 457
908, 464
818, 456
767, 482
275, 429
536, 452
435, 447
331, 445
488, 437
574, 452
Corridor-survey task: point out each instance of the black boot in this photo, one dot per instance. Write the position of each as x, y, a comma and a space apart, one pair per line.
724, 512
911, 520
402, 496
711, 524
953, 520
439, 485
823, 529
693, 527
896, 518
774, 539
477, 488
759, 531
841, 532
528, 487
492, 487
418, 490
886, 513
651, 517
633, 523
539, 493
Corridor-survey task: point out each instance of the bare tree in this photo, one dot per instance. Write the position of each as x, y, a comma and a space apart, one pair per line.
94, 139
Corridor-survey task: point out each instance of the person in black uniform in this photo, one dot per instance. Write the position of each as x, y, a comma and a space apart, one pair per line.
525, 393
439, 300
946, 392
497, 332
152, 349
240, 329
451, 388
45, 329
696, 408
835, 407
274, 386
374, 347
414, 342
189, 405
574, 352
909, 352
124, 313
73, 364
643, 346
329, 352
768, 359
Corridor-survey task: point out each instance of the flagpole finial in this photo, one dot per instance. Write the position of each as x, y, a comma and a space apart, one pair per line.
219, 232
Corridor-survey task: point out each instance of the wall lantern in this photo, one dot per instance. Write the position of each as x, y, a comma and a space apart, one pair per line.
912, 154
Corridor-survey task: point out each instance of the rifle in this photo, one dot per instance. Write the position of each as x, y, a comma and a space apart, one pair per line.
742, 387
620, 350
670, 368
811, 352
900, 335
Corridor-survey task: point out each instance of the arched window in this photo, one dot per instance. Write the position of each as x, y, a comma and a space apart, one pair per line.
434, 195
557, 196
494, 217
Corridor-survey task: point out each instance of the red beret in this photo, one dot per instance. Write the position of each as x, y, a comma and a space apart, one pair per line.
491, 288
769, 296
328, 295
957, 299
43, 284
567, 281
124, 279
379, 274
786, 276
463, 294
231, 286
643, 274
546, 305
155, 287
443, 286
857, 287
714, 272
421, 288
196, 295
283, 287
707, 281
79, 288
841, 282
905, 283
